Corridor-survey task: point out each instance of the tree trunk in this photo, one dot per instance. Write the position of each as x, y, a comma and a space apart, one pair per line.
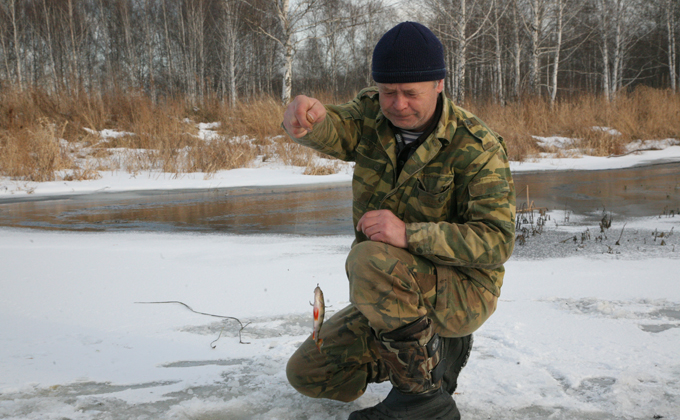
230, 31
17, 44
461, 55
618, 49
518, 53
74, 46
558, 47
536, 26
48, 26
500, 94
288, 50
671, 27
605, 50
171, 76
149, 36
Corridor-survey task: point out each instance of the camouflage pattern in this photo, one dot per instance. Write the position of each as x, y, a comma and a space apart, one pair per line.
457, 198
348, 361
412, 357
392, 287
351, 355
455, 194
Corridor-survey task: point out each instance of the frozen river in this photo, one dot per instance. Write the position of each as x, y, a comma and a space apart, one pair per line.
326, 209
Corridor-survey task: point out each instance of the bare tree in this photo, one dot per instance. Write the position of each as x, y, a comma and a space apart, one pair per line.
564, 13
535, 25
671, 26
230, 29
517, 49
10, 9
499, 90
459, 22
291, 26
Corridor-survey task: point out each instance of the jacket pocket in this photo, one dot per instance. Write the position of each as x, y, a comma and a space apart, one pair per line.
432, 199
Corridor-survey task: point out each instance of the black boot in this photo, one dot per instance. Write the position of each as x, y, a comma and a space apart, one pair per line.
413, 357
456, 352
433, 405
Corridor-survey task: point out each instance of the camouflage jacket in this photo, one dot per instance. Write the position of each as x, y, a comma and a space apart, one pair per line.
455, 193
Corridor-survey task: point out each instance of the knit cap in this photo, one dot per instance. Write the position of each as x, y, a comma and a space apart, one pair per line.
408, 53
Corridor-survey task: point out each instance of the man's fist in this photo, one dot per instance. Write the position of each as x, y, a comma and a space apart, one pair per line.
302, 114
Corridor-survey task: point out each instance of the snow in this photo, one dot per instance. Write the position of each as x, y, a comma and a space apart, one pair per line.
608, 130
579, 333
593, 335
206, 132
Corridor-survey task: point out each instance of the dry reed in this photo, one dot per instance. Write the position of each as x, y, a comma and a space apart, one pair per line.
42, 134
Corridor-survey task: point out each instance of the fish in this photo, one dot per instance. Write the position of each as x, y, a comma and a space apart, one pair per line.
318, 311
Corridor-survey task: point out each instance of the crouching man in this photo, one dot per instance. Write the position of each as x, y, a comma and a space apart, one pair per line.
434, 210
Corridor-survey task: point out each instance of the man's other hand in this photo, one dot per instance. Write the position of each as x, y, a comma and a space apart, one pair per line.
302, 114
383, 226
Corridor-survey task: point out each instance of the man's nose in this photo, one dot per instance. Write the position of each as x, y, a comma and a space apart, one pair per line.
400, 102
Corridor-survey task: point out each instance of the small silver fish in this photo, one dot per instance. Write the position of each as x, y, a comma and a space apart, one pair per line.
318, 311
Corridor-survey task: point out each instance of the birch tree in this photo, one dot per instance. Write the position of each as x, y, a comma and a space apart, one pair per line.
671, 27
291, 26
535, 25
12, 17
517, 49
231, 27
499, 90
618, 28
564, 12
455, 23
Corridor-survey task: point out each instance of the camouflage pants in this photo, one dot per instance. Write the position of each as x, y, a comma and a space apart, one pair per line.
389, 288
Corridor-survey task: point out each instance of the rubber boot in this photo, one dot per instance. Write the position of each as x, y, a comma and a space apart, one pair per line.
456, 352
412, 355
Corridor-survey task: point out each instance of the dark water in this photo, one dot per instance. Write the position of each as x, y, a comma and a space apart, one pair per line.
326, 209
299, 210
640, 191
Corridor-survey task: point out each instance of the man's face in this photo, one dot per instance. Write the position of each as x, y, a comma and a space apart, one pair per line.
410, 106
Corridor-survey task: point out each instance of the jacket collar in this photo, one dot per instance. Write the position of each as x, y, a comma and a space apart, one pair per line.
446, 126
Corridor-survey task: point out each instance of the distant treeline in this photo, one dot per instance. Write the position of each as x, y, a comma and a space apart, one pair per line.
234, 50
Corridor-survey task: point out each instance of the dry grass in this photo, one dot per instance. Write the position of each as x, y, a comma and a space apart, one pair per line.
32, 152
647, 114
43, 136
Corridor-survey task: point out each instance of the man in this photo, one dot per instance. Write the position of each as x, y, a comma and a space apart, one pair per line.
434, 208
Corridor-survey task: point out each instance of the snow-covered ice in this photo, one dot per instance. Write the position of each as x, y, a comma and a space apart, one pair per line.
590, 336
580, 332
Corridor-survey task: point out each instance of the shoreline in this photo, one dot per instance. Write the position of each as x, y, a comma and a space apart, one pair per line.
287, 181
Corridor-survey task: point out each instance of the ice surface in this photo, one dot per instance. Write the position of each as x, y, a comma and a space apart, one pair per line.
583, 336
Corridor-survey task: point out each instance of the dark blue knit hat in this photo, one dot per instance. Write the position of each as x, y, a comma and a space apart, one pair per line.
408, 53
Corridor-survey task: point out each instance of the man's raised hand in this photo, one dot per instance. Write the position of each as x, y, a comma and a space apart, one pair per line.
302, 114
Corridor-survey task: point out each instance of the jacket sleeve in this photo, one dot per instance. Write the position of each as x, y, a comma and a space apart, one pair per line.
339, 133
484, 234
